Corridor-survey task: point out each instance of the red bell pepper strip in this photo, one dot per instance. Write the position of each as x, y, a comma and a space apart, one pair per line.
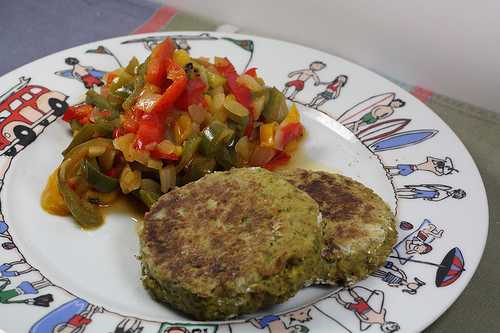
291, 132
151, 129
278, 160
162, 156
193, 94
113, 172
252, 72
156, 72
177, 75
78, 112
69, 114
243, 94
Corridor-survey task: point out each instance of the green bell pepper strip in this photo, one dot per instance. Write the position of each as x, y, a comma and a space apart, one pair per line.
124, 79
199, 167
132, 66
275, 108
85, 214
226, 157
191, 145
213, 136
139, 82
94, 176
89, 131
149, 192
98, 100
215, 80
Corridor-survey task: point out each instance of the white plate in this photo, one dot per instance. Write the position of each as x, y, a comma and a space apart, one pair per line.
89, 281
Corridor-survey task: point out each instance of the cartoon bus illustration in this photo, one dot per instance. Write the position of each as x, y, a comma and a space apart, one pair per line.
22, 108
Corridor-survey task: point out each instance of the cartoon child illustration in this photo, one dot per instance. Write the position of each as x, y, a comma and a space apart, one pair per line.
430, 192
283, 323
332, 91
8, 245
124, 326
396, 277
24, 288
417, 242
375, 114
366, 314
78, 322
438, 166
3, 230
420, 242
297, 85
7, 272
88, 75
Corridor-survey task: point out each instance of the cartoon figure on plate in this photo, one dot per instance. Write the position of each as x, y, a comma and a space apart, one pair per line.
368, 309
396, 277
8, 245
418, 242
129, 325
332, 91
284, 323
187, 328
293, 87
430, 192
71, 317
9, 295
438, 166
87, 75
7, 272
3, 230
374, 115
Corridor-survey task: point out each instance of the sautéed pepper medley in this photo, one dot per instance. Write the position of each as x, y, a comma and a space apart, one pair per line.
164, 123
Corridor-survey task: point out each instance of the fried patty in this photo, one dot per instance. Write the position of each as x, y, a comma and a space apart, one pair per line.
230, 243
358, 228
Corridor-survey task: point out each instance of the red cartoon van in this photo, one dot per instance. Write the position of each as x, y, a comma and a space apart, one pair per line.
24, 107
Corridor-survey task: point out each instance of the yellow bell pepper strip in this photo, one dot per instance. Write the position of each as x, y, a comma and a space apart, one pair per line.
182, 128
156, 72
293, 116
51, 200
267, 135
181, 57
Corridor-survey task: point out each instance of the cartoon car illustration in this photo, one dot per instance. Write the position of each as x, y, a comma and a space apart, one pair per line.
22, 108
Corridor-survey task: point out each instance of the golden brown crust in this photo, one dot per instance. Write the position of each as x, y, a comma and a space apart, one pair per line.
221, 236
358, 228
